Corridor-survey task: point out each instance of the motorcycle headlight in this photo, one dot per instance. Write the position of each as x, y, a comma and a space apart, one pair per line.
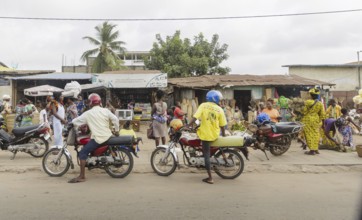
252, 128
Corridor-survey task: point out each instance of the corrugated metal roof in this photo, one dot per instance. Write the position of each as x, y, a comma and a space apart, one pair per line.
131, 72
234, 80
56, 76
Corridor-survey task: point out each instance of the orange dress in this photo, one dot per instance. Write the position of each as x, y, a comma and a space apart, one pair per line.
273, 114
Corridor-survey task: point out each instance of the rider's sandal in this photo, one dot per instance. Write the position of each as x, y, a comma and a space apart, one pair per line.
76, 180
206, 180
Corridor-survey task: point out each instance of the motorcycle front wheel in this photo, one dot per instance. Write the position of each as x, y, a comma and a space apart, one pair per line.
123, 164
283, 146
162, 164
55, 162
233, 167
42, 146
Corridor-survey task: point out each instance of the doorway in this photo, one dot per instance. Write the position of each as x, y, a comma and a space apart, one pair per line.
242, 100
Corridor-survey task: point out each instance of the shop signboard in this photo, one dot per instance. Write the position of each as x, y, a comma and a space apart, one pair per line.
154, 80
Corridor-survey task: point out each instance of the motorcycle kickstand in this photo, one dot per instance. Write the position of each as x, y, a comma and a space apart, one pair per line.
14, 154
265, 154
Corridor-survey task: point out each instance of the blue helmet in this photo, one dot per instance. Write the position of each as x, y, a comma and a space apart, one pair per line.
214, 96
262, 117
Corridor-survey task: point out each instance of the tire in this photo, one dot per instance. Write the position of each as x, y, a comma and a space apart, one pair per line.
285, 145
223, 170
53, 168
123, 167
42, 147
169, 163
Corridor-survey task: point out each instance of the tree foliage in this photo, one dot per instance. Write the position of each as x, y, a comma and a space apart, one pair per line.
107, 49
181, 57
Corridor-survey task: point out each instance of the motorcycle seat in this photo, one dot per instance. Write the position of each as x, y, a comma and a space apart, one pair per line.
21, 131
286, 127
121, 140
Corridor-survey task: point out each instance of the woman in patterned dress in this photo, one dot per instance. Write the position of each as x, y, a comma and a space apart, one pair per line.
313, 114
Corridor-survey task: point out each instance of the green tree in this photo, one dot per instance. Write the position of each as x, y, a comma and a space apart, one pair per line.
181, 57
107, 50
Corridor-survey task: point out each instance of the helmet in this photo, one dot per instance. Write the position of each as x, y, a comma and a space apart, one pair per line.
6, 97
314, 91
214, 96
94, 99
176, 124
262, 117
339, 122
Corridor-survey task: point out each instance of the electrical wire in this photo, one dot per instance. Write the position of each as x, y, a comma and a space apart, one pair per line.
182, 19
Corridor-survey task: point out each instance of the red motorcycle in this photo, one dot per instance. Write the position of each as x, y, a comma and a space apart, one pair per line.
275, 137
226, 162
114, 157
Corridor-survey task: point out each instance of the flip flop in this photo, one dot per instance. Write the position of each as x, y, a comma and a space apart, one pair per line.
76, 180
206, 180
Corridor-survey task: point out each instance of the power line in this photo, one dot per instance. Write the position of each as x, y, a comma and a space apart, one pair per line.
181, 19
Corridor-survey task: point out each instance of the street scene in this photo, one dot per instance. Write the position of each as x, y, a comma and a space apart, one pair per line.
180, 110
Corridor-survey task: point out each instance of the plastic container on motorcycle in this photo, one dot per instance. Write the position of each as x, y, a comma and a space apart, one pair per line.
99, 151
229, 141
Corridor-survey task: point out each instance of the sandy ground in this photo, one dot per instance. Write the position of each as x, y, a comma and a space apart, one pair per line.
33, 195
291, 186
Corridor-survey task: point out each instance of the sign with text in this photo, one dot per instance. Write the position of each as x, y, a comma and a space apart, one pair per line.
149, 80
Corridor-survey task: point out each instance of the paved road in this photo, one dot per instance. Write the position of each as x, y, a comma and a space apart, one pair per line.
33, 195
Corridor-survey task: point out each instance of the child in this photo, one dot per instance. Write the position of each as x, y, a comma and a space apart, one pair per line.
43, 115
127, 130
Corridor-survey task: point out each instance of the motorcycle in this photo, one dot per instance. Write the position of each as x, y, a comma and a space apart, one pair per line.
226, 162
274, 137
114, 157
31, 139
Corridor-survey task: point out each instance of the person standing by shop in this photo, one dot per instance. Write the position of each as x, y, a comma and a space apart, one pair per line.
313, 115
71, 112
27, 119
272, 112
159, 117
333, 110
178, 113
58, 115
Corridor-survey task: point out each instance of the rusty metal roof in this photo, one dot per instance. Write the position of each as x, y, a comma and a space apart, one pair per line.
233, 80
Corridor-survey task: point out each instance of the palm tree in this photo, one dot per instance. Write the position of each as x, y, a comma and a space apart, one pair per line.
108, 49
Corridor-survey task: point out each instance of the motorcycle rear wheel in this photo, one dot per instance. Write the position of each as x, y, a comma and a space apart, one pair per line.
42, 147
285, 145
54, 167
122, 167
224, 170
163, 166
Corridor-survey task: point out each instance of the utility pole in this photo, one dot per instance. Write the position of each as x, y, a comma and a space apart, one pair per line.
359, 71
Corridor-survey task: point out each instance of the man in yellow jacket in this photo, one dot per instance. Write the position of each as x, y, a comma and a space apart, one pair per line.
213, 120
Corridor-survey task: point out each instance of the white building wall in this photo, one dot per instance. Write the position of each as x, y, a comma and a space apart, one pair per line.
345, 78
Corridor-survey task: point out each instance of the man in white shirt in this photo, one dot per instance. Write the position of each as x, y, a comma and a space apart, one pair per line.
97, 119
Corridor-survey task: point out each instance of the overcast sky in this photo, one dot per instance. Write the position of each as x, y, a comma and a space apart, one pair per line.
256, 46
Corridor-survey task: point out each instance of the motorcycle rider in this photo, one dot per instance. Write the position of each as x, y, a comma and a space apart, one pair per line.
97, 119
213, 120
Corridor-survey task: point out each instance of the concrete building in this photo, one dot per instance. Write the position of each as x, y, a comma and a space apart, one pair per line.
347, 77
133, 60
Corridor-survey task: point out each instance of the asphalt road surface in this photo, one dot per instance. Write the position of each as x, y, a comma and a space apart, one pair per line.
34, 195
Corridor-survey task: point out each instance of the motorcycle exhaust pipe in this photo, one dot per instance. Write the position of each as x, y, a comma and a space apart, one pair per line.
22, 147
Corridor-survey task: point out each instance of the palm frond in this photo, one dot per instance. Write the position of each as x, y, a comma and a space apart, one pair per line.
88, 53
92, 40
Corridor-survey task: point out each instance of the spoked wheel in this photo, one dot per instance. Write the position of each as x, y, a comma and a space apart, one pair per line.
233, 167
162, 164
42, 146
123, 164
55, 162
283, 146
